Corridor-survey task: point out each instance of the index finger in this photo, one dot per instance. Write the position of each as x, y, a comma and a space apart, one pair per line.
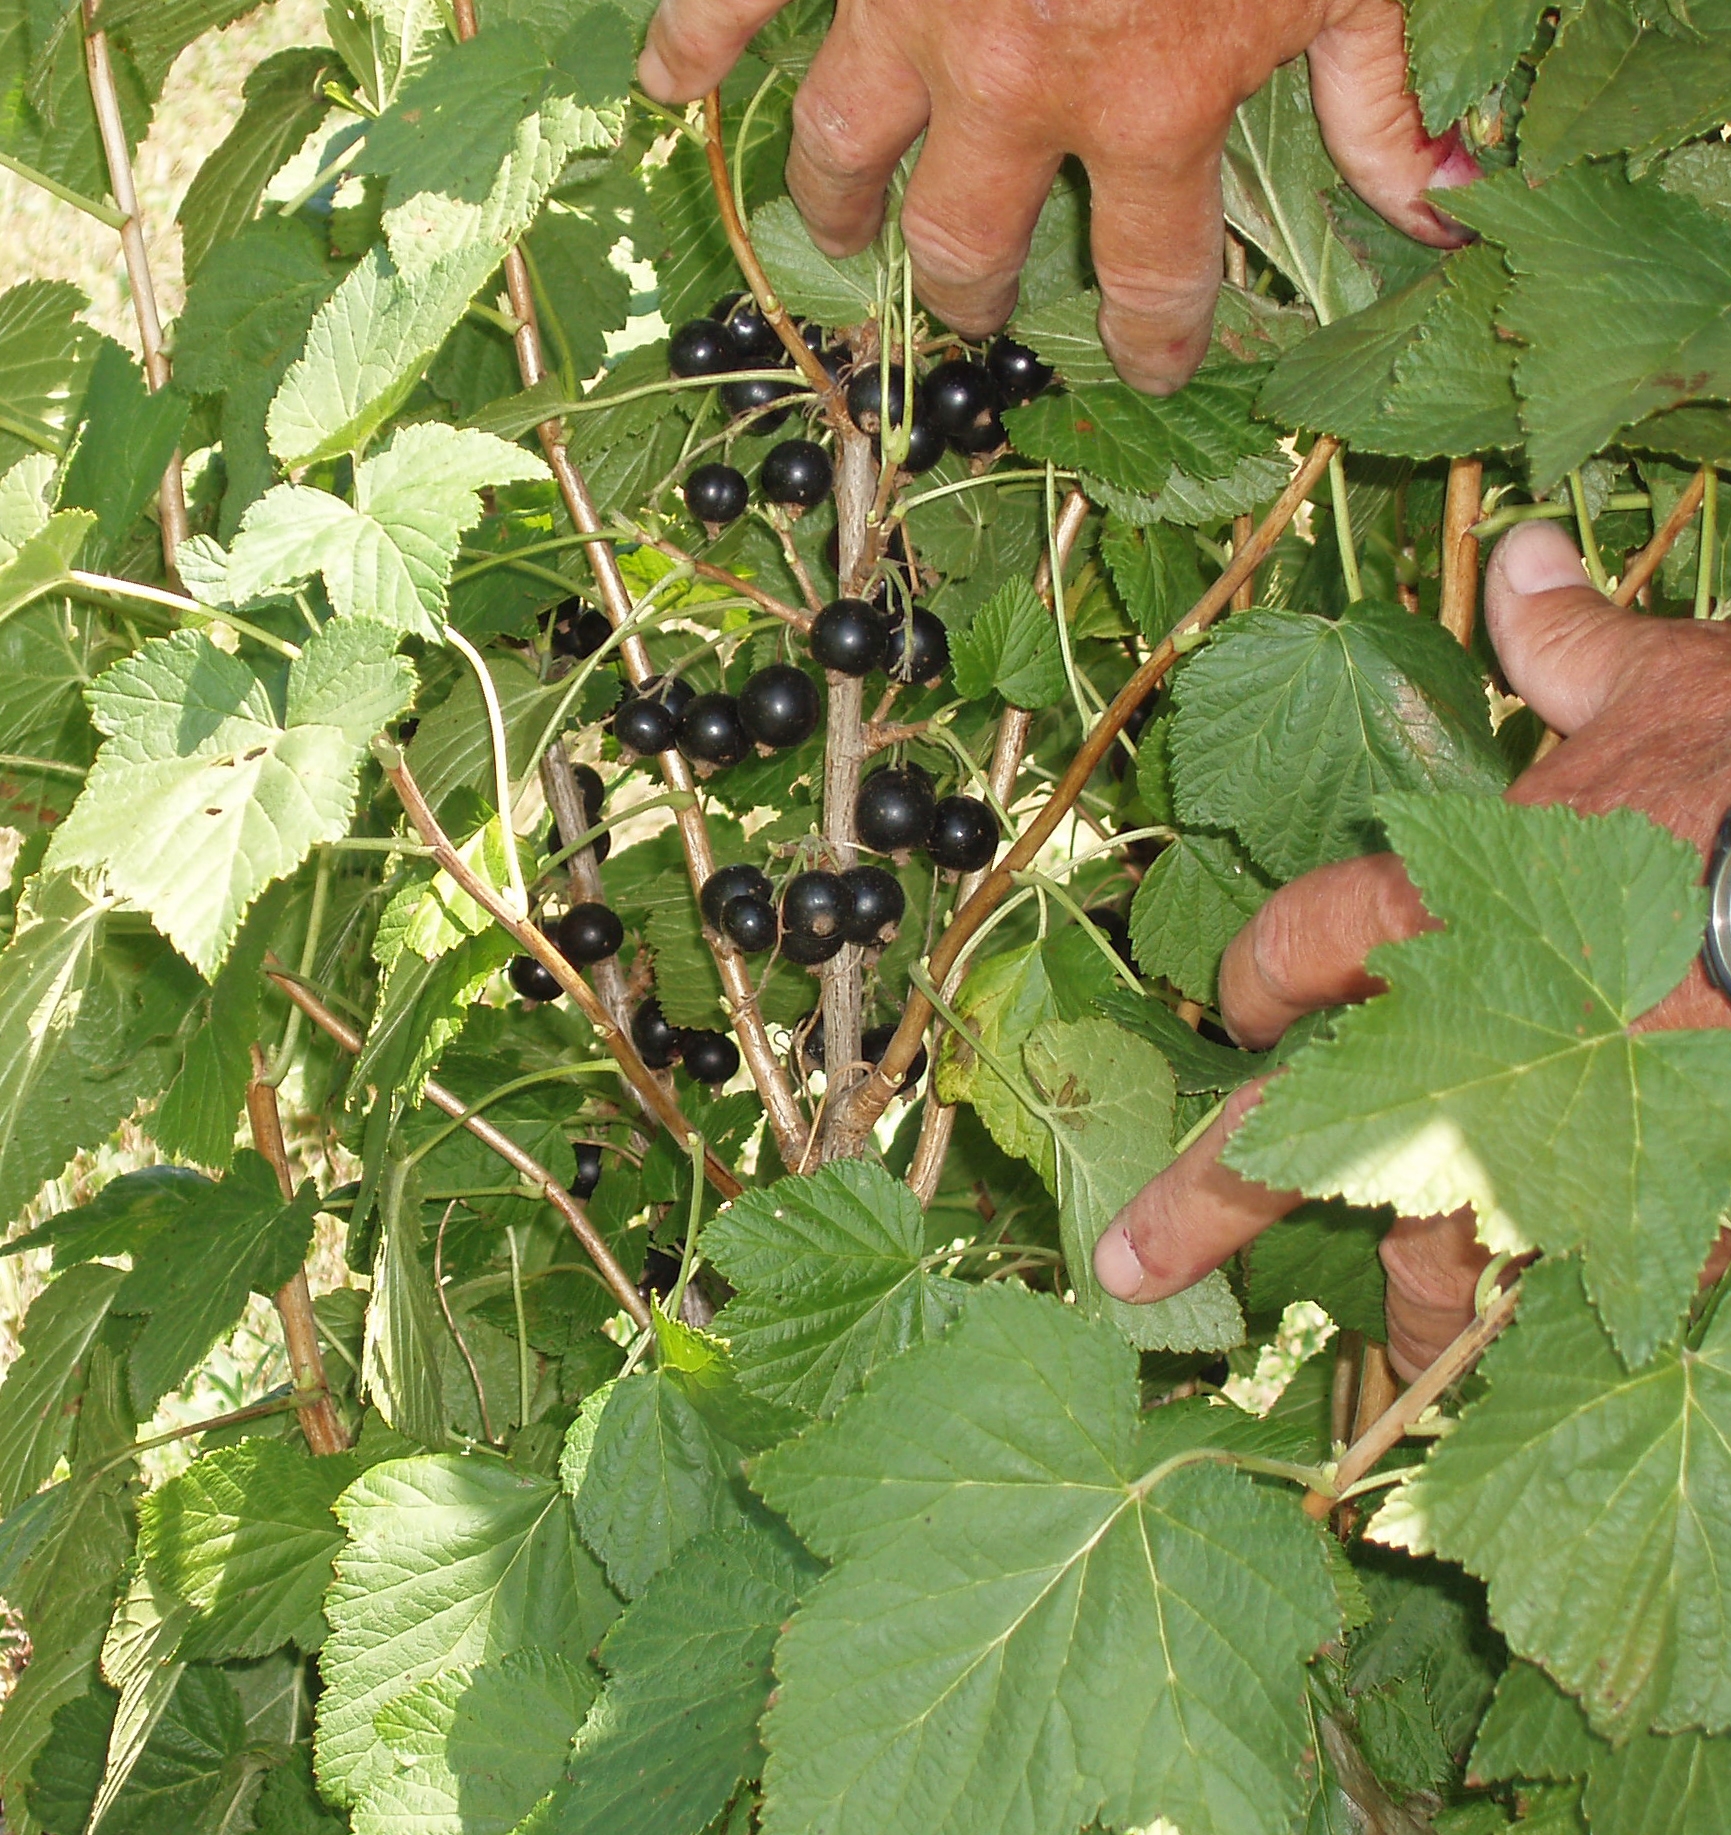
692, 44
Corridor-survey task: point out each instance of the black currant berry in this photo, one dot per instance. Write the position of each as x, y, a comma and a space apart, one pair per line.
593, 794
816, 904
922, 660
925, 447
1116, 930
808, 951
797, 472
740, 880
657, 1042
589, 932
809, 1032
532, 979
749, 923
1019, 374
875, 1041
780, 706
894, 810
710, 1057
849, 637
964, 834
877, 903
988, 436
959, 397
757, 398
710, 732
588, 1168
579, 630
703, 347
716, 493
645, 725
865, 398
754, 337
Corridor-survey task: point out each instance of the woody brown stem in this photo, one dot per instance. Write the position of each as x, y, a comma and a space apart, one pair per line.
1460, 549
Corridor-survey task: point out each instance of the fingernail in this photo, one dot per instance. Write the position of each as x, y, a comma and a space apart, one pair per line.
1117, 1266
1537, 557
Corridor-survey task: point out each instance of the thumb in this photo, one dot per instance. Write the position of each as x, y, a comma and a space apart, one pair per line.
692, 44
1372, 124
1564, 646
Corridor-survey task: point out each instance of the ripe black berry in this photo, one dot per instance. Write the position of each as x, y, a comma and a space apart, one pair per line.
925, 448
894, 810
816, 905
809, 1032
645, 724
922, 660
849, 637
875, 1041
593, 793
797, 472
964, 834
589, 932
749, 923
1019, 374
865, 398
710, 732
754, 337
877, 903
657, 1042
808, 951
740, 880
959, 399
780, 705
588, 1168
703, 347
756, 398
578, 630
710, 1057
716, 493
532, 979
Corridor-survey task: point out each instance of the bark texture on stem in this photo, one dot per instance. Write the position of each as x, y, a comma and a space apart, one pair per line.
293, 1300
1460, 549
594, 1245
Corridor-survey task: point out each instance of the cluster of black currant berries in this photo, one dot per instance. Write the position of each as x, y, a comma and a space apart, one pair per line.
897, 811
709, 1057
958, 404
817, 913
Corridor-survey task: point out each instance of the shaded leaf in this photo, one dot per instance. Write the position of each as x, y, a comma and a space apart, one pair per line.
1191, 903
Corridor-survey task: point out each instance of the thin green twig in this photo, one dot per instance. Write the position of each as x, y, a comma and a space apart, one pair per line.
501, 766
1584, 528
1343, 529
1707, 563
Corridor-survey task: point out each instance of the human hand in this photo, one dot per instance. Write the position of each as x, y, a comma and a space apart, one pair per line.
1142, 91
1646, 707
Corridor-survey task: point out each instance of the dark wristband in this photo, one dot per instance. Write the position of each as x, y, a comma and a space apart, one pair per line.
1716, 952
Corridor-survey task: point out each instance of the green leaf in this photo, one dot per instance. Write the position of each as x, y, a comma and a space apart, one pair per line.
689, 1672
1373, 701
289, 1803
1276, 177
1614, 82
46, 353
1653, 1784
202, 795
44, 1385
1191, 903
47, 657
1066, 334
452, 748
1134, 440
283, 100
450, 1560
1022, 1631
124, 442
1574, 1489
1010, 648
809, 282
1323, 1252
1530, 1101
587, 297
245, 1535
1200, 1065
475, 1748
1619, 293
385, 42
1155, 572
1110, 1095
389, 558
832, 1282
40, 562
1459, 49
400, 1356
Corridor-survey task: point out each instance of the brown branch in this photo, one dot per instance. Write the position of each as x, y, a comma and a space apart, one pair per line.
707, 570
868, 1101
583, 876
1462, 508
1391, 1425
593, 1243
99, 69
615, 1037
293, 1300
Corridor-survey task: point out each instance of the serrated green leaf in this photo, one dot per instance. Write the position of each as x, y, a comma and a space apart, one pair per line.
809, 282
388, 558
1593, 1502
40, 562
202, 795
48, 655
1011, 649
1191, 903
1373, 701
249, 306
450, 1560
400, 1352
1326, 1252
1155, 572
1459, 49
452, 748
586, 296
1066, 334
288, 1803
1038, 1579
46, 353
1110, 1097
832, 1282
1200, 1065
1530, 1101
125, 439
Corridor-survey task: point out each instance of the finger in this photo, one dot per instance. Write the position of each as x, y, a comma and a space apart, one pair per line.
1190, 1219
970, 211
692, 44
1157, 246
1373, 127
1565, 647
860, 108
1433, 1266
1305, 948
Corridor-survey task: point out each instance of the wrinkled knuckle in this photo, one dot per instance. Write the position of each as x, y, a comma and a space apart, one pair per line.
1133, 291
951, 252
1278, 944
832, 140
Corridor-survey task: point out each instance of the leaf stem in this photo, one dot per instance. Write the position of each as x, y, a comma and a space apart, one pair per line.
34, 432
501, 766
51, 767
1707, 561
1029, 877
523, 1386
103, 213
688, 1256
1343, 527
1584, 528
1499, 520
1011, 1078
985, 481
103, 586
309, 950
